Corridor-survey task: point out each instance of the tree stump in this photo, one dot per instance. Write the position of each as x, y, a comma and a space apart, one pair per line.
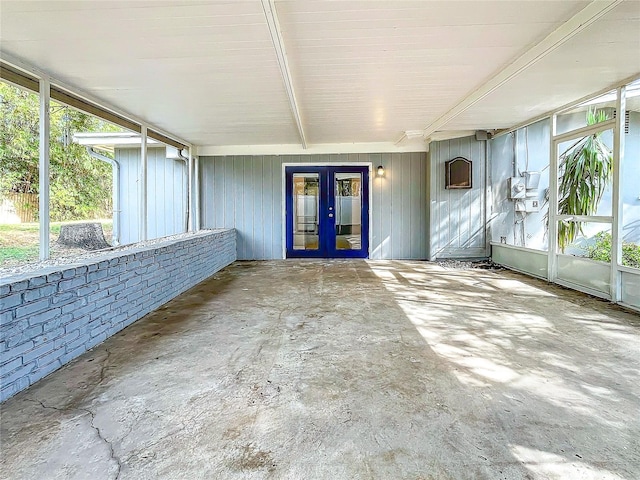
87, 236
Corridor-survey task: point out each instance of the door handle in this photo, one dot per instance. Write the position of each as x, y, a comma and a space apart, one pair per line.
331, 215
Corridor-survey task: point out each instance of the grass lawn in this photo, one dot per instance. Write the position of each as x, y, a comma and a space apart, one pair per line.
19, 243
18, 254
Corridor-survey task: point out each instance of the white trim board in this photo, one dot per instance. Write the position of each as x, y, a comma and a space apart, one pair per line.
581, 288
296, 149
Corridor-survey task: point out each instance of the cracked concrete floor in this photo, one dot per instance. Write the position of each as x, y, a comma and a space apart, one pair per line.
345, 370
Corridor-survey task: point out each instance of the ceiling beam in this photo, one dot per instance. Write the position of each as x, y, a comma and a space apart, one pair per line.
278, 44
581, 20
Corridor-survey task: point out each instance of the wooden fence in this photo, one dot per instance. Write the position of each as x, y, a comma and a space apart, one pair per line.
18, 207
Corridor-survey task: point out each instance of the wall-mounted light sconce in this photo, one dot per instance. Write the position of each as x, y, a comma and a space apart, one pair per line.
380, 170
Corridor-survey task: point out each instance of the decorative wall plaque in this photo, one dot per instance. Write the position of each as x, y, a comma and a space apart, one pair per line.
458, 173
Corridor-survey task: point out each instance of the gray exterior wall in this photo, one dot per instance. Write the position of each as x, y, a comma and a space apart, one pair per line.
531, 145
49, 317
245, 193
166, 194
519, 151
457, 217
509, 152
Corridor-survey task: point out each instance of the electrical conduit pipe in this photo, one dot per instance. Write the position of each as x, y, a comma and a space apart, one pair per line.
115, 237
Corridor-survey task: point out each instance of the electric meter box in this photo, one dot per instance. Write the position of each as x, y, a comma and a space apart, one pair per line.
528, 206
517, 188
532, 180
532, 206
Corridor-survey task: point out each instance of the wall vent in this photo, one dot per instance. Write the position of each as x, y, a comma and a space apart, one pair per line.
626, 119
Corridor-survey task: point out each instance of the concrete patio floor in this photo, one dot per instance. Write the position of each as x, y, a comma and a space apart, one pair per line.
345, 370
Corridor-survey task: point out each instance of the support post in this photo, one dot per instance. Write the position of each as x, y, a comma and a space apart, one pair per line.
143, 183
488, 199
190, 223
43, 166
552, 231
617, 210
197, 193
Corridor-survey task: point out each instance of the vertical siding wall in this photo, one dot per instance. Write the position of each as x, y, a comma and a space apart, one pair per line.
457, 217
245, 193
166, 194
129, 191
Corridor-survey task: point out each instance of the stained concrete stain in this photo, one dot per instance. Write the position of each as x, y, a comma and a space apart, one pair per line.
345, 370
251, 458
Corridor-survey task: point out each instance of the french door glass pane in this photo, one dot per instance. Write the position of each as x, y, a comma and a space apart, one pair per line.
348, 188
305, 211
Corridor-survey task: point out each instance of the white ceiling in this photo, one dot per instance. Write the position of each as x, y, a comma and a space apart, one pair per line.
606, 52
362, 71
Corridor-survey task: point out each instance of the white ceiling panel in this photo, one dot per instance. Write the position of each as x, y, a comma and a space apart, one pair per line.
205, 71
362, 71
605, 53
371, 70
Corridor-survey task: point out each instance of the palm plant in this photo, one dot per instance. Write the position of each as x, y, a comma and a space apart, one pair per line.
585, 170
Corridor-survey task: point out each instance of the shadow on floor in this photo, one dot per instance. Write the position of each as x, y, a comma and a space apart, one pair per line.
345, 369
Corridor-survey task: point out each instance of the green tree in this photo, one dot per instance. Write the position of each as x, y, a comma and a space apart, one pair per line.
18, 140
80, 185
585, 170
601, 250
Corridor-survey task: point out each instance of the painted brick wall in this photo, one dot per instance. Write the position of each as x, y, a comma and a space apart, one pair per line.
53, 315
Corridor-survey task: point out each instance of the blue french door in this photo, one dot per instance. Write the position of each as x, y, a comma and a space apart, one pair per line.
327, 212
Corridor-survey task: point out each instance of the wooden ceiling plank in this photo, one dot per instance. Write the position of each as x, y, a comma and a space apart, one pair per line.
576, 24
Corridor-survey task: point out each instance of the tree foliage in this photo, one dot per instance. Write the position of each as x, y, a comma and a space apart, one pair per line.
585, 171
80, 186
601, 250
